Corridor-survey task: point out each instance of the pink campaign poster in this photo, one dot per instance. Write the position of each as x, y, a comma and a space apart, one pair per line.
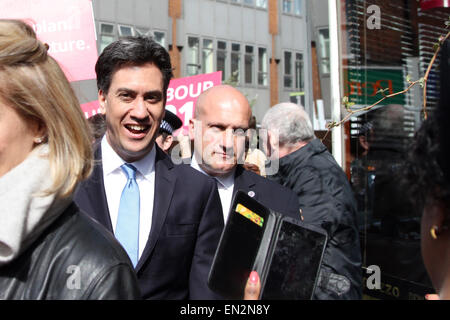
183, 92
67, 26
90, 108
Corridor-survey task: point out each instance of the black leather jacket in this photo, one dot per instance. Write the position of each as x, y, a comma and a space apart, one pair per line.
75, 258
327, 200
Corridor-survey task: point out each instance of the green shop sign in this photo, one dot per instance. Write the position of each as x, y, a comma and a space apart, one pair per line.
364, 84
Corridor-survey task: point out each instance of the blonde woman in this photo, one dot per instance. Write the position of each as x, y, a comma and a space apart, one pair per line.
48, 248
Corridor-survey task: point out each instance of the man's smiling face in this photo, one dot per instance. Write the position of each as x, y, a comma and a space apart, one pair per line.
134, 108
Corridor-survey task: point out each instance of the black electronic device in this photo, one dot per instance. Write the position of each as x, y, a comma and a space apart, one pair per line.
285, 252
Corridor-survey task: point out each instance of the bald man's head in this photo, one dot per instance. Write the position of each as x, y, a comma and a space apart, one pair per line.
221, 111
222, 92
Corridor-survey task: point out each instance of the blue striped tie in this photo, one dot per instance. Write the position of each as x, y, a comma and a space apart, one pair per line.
127, 227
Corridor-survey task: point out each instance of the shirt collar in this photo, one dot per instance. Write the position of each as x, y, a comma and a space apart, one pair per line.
112, 161
226, 181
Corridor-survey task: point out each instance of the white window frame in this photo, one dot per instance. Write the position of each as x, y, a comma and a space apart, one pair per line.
119, 29
203, 49
253, 60
290, 75
189, 63
265, 71
106, 34
200, 55
147, 32
239, 55
294, 5
300, 86
293, 76
164, 42
143, 31
324, 52
261, 4
225, 72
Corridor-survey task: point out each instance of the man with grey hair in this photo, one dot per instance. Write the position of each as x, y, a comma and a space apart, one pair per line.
324, 195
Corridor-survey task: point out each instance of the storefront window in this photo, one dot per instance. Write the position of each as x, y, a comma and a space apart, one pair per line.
384, 45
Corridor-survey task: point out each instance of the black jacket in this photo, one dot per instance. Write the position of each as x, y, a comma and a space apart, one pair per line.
269, 193
326, 200
74, 258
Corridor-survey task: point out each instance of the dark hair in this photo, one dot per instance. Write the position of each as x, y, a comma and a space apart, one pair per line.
428, 169
164, 133
97, 124
424, 171
132, 51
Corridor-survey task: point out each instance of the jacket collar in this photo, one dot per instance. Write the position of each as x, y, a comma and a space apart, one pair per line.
95, 190
297, 157
245, 181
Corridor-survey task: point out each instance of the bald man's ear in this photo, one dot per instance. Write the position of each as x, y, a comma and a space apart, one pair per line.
191, 128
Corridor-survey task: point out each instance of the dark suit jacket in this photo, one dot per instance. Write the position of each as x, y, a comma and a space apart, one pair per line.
186, 227
267, 192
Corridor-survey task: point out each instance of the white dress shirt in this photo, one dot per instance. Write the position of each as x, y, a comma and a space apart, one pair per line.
115, 180
225, 187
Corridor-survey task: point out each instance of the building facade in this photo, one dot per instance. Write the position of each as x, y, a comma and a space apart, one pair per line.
261, 46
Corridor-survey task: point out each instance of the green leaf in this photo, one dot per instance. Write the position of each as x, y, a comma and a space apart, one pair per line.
422, 82
345, 100
436, 46
408, 78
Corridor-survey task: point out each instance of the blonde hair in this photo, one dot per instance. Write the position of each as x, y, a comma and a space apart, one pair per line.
32, 82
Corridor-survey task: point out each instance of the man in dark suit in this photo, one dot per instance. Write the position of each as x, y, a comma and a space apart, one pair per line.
219, 128
168, 218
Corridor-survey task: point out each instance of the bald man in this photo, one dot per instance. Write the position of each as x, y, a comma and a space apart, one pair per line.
219, 126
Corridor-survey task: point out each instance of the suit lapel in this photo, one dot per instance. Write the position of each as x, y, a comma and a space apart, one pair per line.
95, 191
165, 180
243, 180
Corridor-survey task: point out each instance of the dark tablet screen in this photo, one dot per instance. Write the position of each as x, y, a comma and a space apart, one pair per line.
295, 262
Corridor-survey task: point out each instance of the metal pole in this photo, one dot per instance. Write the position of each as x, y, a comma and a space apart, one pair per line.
335, 79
